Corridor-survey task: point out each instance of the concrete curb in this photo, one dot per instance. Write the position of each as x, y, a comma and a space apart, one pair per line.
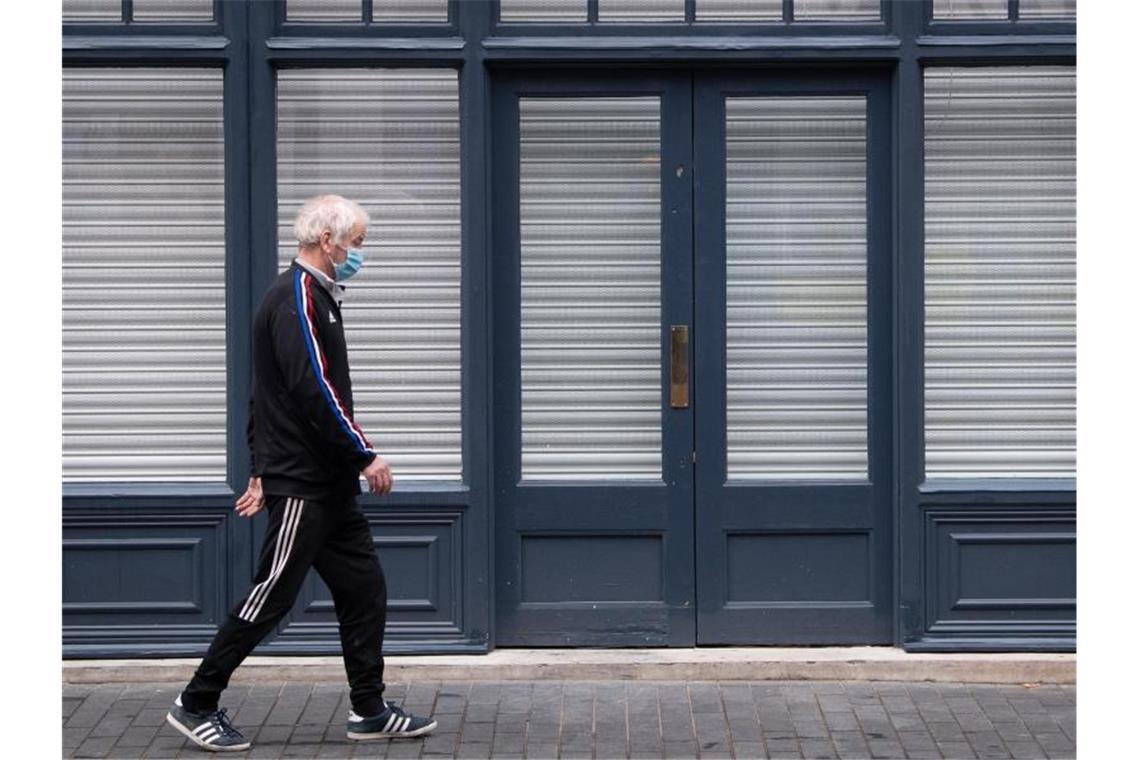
729, 664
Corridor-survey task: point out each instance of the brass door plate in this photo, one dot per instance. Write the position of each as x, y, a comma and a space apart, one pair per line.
679, 367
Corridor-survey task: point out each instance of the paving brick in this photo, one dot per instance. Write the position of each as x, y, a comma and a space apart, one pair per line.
705, 698
987, 744
813, 730
679, 750
95, 747
109, 726
542, 749
917, 742
646, 743
328, 749
783, 748
1055, 741
817, 748
1024, 749
745, 730
956, 750
850, 744
440, 744
137, 736
73, 737
473, 751
322, 705
481, 713
403, 748
508, 743
907, 721
841, 721
885, 748
749, 750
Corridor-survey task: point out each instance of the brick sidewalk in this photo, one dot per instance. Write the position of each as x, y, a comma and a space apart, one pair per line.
639, 719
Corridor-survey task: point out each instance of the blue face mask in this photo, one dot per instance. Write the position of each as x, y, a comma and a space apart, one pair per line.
351, 264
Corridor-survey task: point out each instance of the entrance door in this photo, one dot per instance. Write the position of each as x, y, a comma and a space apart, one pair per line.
793, 364
691, 360
593, 265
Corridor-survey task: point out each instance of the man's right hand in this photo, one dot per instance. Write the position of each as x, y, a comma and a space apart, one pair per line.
379, 476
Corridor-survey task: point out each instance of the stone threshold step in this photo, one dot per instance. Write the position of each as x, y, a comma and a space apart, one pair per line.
720, 664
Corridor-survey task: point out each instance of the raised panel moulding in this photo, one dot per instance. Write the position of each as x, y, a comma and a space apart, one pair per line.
1000, 572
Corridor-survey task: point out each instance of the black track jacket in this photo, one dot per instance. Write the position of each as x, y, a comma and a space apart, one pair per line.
302, 438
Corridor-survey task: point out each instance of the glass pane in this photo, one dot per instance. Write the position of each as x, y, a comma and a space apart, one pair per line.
740, 10
324, 10
590, 225
92, 10
144, 339
409, 10
641, 10
796, 223
837, 10
971, 9
173, 10
395, 151
542, 10
1000, 268
1047, 9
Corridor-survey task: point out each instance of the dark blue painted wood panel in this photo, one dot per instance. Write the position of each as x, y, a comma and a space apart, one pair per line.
421, 553
149, 580
592, 568
1001, 569
788, 566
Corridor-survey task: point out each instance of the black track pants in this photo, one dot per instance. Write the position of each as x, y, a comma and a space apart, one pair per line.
333, 537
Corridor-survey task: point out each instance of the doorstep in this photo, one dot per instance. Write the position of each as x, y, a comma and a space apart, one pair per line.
720, 664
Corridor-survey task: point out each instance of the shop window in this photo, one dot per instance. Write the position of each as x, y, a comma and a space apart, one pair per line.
82, 11
144, 342
1000, 272
970, 10
396, 152
173, 10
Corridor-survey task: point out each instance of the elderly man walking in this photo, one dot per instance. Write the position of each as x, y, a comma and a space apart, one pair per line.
308, 455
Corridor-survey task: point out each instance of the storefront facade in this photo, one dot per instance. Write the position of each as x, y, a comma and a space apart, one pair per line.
684, 322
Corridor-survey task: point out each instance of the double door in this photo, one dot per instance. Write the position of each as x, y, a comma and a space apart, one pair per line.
692, 407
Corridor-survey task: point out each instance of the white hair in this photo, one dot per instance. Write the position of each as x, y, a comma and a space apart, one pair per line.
327, 212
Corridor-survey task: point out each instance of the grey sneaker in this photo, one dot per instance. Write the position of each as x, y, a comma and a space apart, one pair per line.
211, 731
393, 723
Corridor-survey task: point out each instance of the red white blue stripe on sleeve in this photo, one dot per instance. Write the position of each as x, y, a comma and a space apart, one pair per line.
306, 311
